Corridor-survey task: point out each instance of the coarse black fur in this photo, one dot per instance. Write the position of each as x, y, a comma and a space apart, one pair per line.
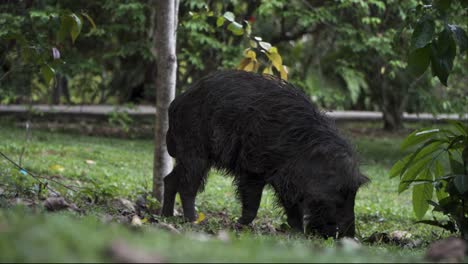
262, 130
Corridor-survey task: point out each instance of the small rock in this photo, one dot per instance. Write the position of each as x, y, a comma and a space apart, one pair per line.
124, 206
141, 203
1, 190
55, 204
451, 249
120, 252
223, 235
349, 244
107, 218
200, 237
136, 221
122, 219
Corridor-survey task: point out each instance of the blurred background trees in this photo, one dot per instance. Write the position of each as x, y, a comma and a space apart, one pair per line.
347, 54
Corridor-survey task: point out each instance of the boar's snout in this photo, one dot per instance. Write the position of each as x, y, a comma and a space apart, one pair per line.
332, 218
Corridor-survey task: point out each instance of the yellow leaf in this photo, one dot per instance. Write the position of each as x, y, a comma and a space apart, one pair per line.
248, 53
144, 220
57, 168
268, 70
244, 62
201, 217
251, 67
275, 58
273, 50
284, 73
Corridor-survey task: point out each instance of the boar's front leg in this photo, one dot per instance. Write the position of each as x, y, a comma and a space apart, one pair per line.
250, 192
295, 218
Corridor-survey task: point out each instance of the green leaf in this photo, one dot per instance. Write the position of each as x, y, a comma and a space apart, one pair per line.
443, 53
48, 73
65, 27
412, 173
449, 226
461, 183
248, 28
418, 136
220, 21
236, 28
89, 19
423, 151
459, 126
229, 16
423, 32
421, 194
398, 167
76, 26
460, 37
419, 60
455, 165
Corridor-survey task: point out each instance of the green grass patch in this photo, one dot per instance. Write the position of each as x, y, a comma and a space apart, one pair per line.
109, 168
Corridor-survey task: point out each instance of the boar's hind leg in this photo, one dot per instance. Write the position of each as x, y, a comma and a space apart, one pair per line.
171, 182
196, 170
250, 192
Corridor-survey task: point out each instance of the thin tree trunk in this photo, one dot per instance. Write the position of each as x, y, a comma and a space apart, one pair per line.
165, 41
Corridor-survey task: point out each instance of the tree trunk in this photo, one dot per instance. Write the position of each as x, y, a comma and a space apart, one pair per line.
393, 104
60, 89
165, 47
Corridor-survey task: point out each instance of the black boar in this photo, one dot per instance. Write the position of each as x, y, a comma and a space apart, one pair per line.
262, 130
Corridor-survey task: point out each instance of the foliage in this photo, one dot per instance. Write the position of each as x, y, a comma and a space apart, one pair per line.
347, 54
36, 47
435, 41
438, 163
251, 62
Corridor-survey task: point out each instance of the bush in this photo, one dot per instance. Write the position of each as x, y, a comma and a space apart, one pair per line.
438, 164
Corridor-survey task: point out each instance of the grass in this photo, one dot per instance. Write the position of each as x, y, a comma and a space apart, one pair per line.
108, 168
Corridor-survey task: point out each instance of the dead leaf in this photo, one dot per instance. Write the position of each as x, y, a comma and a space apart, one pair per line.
400, 235
168, 227
201, 217
90, 162
121, 252
57, 168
